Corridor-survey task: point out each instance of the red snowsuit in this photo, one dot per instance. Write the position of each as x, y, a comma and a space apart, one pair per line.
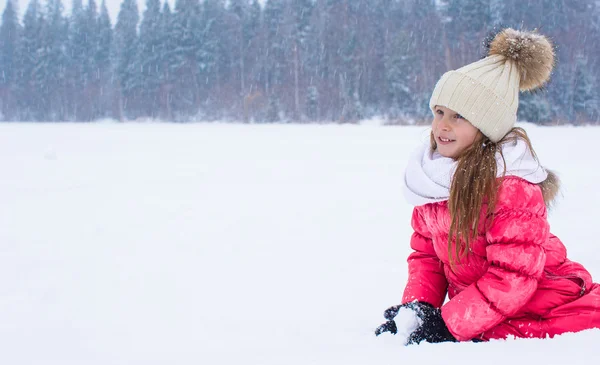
516, 279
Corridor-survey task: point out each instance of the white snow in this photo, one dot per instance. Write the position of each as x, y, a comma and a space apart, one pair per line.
151, 243
406, 321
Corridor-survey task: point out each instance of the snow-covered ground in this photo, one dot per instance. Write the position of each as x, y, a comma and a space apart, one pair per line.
236, 244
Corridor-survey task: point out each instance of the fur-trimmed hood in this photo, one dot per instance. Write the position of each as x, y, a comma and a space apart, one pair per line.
550, 188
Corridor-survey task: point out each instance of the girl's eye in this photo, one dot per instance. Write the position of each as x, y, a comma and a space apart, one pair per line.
440, 112
458, 116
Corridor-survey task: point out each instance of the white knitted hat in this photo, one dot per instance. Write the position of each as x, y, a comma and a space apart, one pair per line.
486, 92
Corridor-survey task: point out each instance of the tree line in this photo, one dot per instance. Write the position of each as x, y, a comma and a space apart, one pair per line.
281, 61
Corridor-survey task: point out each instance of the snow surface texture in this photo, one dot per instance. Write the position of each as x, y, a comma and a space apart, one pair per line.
231, 244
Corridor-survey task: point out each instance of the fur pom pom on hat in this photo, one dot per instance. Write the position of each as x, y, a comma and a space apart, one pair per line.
486, 92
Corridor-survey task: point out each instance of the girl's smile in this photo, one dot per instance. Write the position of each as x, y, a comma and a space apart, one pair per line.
442, 140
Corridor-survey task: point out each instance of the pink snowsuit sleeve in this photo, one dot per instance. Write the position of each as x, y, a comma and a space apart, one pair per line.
426, 279
516, 262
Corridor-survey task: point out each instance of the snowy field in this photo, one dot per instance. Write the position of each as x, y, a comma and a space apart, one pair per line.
235, 244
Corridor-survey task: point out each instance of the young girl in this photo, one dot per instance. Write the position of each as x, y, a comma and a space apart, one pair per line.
481, 197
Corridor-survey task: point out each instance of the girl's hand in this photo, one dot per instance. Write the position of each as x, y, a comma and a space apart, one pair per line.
389, 326
433, 328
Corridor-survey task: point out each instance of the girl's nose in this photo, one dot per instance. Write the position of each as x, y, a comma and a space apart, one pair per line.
444, 125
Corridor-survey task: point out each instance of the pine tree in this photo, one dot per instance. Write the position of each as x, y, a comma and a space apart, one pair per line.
52, 63
239, 10
351, 66
560, 94
469, 15
9, 32
253, 20
90, 110
314, 64
82, 47
350, 69
28, 96
207, 54
187, 32
426, 25
321, 59
103, 63
470, 21
167, 61
9, 38
245, 22
301, 12
76, 55
555, 14
274, 57
380, 20
534, 107
402, 68
312, 103
125, 51
149, 58
497, 12
91, 35
585, 92
105, 38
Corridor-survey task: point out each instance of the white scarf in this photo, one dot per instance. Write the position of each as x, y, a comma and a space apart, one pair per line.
428, 176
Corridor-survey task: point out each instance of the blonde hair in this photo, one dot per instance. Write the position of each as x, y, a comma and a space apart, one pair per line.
475, 183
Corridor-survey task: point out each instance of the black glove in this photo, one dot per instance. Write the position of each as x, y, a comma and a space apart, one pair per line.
433, 329
390, 325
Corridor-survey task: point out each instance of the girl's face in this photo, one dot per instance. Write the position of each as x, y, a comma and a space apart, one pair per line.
452, 133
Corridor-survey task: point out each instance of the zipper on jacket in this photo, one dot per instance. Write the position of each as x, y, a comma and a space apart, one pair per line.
568, 277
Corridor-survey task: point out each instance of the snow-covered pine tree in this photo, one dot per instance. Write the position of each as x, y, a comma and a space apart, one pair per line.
28, 96
319, 64
274, 57
301, 16
149, 58
380, 19
497, 12
10, 29
213, 62
585, 92
89, 109
166, 62
312, 80
125, 53
239, 9
401, 65
103, 64
351, 65
534, 107
426, 24
52, 63
187, 30
312, 103
244, 23
469, 22
78, 54
9, 32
